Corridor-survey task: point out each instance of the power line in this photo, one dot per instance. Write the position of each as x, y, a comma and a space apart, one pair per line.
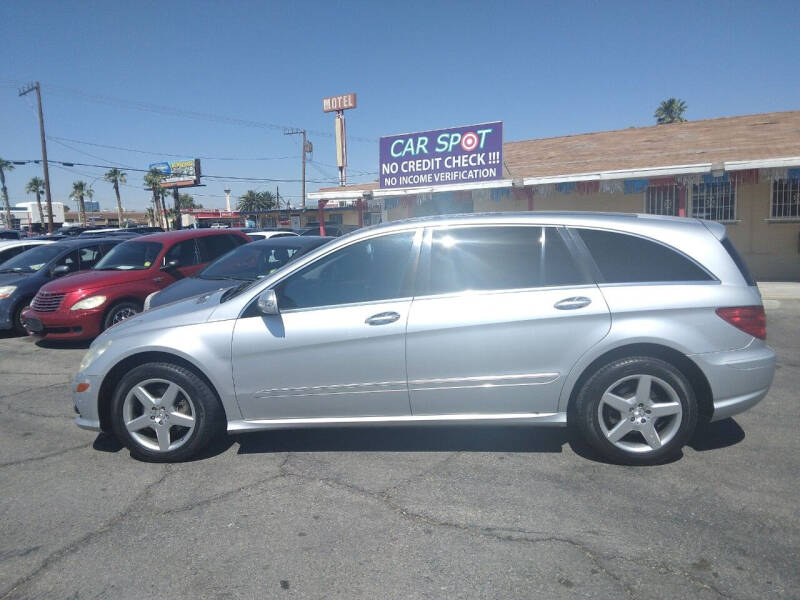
178, 112
153, 153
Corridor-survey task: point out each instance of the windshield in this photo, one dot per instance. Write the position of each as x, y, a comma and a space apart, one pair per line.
249, 262
130, 256
32, 260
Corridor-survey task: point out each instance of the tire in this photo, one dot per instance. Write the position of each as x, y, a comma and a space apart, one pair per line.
638, 411
119, 312
177, 401
17, 325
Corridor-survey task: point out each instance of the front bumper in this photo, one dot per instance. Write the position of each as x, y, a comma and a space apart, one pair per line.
739, 379
6, 313
64, 324
86, 402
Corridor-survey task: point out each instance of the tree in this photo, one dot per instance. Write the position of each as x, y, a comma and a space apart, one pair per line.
151, 216
153, 179
36, 186
187, 201
5, 166
115, 177
256, 203
81, 190
670, 111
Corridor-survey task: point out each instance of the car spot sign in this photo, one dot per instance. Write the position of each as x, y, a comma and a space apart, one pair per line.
467, 154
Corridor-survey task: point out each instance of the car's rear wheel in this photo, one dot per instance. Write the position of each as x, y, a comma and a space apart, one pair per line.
638, 410
119, 312
165, 413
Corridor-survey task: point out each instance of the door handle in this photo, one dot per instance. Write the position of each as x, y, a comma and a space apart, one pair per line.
573, 303
383, 318
158, 279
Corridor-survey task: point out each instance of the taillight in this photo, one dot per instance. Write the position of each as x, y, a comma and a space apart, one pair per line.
750, 319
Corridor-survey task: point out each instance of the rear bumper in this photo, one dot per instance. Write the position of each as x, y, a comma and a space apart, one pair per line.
64, 324
739, 379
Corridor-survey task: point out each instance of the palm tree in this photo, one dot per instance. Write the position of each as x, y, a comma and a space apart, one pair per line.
187, 201
152, 180
81, 190
36, 186
151, 215
5, 166
115, 177
256, 203
670, 111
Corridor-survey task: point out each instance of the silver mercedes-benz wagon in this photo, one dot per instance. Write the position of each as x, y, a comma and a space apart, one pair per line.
629, 328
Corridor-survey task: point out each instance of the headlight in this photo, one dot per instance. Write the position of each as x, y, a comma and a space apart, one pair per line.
147, 301
6, 290
93, 354
87, 303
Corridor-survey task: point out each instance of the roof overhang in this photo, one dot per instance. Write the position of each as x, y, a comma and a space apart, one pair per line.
643, 173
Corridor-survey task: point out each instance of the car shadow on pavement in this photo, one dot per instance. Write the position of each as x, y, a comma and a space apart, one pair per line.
405, 439
719, 434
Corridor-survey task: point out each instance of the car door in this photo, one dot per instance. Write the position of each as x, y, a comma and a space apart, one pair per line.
504, 314
337, 348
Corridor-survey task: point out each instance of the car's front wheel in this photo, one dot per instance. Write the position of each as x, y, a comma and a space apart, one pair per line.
165, 413
119, 312
638, 410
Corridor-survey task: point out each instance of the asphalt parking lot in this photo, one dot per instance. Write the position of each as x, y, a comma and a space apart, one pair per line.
490, 512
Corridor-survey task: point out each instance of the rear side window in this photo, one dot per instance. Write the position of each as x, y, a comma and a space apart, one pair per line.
184, 252
623, 258
500, 258
214, 246
737, 258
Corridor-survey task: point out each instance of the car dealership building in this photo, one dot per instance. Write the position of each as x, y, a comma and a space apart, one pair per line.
741, 171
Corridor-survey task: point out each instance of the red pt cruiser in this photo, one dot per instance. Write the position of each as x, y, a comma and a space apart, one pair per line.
82, 305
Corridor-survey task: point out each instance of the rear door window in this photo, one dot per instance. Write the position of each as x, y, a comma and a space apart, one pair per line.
214, 246
184, 252
500, 258
737, 258
624, 258
89, 256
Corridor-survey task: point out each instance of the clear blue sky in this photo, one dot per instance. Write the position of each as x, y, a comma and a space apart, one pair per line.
544, 68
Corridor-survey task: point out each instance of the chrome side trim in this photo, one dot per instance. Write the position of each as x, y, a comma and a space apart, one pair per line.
557, 419
487, 381
347, 388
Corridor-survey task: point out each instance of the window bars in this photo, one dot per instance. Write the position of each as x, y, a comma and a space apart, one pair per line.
714, 201
785, 202
662, 200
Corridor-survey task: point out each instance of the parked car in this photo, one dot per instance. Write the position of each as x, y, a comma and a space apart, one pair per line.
10, 234
10, 248
629, 328
23, 275
269, 234
330, 229
83, 305
247, 263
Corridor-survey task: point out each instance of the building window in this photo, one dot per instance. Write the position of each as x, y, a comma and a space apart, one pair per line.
334, 219
785, 199
714, 201
662, 200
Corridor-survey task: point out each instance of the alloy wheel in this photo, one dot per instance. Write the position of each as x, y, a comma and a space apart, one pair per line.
640, 413
122, 314
159, 415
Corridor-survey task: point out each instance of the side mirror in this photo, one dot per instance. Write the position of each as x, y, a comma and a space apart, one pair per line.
60, 271
173, 264
268, 303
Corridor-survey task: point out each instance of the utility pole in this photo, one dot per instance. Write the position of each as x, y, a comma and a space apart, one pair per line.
26, 90
306, 148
